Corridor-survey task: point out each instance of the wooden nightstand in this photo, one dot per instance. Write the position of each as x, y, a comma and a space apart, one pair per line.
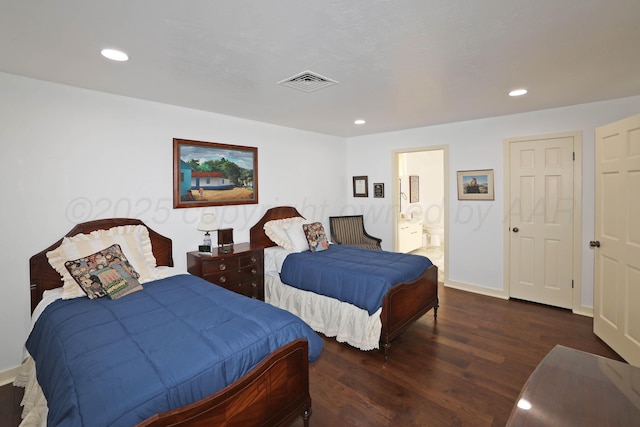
241, 271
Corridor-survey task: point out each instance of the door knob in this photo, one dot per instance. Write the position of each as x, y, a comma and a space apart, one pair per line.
594, 243
516, 229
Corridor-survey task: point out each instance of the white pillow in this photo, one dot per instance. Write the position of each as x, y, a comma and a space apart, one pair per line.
274, 258
276, 230
133, 239
297, 237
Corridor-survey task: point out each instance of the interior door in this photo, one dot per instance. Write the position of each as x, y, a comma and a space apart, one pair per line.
616, 318
541, 213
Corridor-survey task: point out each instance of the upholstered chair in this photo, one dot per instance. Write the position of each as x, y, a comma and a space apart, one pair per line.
349, 230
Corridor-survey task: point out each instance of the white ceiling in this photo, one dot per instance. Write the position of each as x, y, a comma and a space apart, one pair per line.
400, 64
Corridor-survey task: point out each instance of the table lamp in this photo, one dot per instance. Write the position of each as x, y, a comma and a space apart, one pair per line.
207, 223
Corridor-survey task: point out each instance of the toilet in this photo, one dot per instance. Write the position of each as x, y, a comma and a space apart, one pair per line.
434, 234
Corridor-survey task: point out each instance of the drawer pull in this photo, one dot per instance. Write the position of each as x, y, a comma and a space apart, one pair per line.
253, 259
254, 271
254, 284
223, 279
223, 266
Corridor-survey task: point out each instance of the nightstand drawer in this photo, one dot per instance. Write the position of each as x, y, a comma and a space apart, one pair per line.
240, 271
227, 263
254, 258
232, 275
250, 288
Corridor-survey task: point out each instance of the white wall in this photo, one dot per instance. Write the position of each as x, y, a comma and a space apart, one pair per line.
69, 155
476, 229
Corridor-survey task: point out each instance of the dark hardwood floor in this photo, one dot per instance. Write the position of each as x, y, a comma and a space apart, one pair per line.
465, 369
10, 409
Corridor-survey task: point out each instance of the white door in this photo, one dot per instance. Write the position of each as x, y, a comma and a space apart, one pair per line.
616, 317
541, 212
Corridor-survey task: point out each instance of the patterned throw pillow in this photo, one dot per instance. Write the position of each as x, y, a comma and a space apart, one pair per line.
316, 236
106, 272
116, 280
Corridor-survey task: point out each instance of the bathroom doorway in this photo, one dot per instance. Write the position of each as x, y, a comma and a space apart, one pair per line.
422, 203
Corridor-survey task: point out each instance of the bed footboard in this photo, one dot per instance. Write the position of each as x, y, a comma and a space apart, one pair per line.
407, 302
274, 393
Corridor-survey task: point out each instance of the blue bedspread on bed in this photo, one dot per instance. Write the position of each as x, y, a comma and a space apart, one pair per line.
117, 362
350, 274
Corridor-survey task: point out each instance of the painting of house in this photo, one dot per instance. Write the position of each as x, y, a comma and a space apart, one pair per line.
185, 179
211, 173
210, 181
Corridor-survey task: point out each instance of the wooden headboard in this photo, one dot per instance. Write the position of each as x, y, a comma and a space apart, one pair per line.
44, 277
256, 233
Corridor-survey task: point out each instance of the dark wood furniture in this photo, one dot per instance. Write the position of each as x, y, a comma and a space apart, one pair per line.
574, 388
274, 393
403, 304
240, 271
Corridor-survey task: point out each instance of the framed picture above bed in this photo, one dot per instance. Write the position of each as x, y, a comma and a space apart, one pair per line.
213, 174
475, 185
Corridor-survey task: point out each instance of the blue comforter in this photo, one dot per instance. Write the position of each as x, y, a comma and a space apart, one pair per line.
117, 362
350, 274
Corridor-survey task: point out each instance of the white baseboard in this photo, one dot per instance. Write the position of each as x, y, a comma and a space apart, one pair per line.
7, 377
497, 293
584, 311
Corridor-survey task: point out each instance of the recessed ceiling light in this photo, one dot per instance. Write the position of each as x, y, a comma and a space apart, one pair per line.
518, 92
360, 121
114, 55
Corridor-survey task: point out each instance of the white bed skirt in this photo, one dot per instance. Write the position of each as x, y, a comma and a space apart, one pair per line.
34, 411
346, 322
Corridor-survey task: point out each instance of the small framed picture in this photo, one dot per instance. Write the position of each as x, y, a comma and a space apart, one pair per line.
475, 185
414, 189
360, 186
378, 190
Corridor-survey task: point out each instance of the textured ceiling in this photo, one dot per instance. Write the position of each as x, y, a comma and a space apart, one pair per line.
400, 64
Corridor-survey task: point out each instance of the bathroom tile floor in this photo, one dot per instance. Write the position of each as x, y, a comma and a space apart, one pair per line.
436, 255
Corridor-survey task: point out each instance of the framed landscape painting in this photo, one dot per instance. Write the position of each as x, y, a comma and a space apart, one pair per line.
475, 185
213, 174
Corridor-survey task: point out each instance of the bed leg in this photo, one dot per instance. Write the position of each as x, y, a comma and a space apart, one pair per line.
386, 347
305, 417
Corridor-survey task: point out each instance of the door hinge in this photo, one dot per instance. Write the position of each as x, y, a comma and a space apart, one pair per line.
574, 156
571, 284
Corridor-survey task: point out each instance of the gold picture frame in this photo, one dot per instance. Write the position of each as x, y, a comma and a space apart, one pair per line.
475, 184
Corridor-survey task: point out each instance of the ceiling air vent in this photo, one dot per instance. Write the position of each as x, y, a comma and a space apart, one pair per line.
307, 81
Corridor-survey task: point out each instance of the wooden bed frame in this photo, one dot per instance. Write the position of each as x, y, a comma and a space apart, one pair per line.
274, 393
403, 304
